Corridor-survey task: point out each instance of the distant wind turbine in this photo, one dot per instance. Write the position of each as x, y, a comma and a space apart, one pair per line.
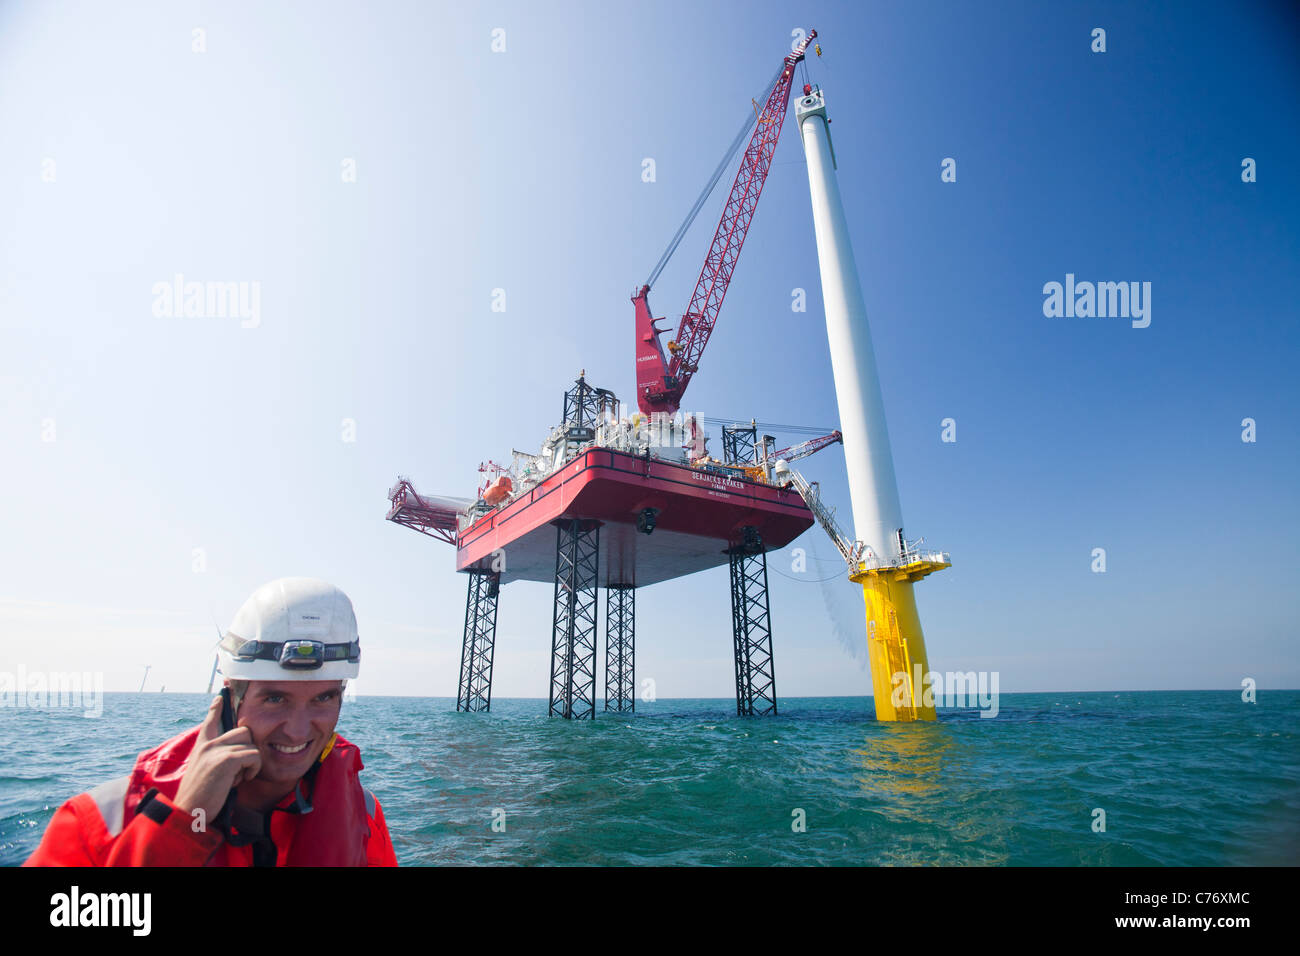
213, 676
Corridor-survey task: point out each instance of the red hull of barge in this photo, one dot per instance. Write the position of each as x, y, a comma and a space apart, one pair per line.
700, 516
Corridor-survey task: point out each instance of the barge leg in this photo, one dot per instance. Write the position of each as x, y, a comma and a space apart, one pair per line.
475, 691
620, 648
751, 625
573, 625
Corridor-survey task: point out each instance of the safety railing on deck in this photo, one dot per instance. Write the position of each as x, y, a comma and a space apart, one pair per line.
906, 559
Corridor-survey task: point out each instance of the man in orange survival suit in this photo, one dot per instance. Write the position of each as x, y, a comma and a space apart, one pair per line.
277, 788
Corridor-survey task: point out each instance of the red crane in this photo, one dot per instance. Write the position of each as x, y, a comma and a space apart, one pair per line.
660, 379
767, 457
804, 449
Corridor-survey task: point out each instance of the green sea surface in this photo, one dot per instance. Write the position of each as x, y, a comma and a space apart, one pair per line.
1185, 778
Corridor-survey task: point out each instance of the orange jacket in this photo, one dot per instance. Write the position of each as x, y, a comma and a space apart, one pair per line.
106, 827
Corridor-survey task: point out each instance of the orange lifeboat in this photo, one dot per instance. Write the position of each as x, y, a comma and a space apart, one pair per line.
498, 491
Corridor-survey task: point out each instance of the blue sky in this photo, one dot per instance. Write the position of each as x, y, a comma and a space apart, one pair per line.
521, 170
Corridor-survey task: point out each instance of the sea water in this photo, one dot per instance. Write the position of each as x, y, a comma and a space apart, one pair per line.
1172, 778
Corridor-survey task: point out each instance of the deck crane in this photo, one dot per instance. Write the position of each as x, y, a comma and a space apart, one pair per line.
762, 469
662, 379
805, 448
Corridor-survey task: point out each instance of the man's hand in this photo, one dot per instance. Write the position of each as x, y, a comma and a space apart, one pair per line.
218, 763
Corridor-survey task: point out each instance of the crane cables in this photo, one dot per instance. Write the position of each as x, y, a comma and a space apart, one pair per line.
766, 426
750, 119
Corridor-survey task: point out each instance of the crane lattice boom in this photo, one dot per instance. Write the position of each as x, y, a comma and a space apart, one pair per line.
661, 379
809, 447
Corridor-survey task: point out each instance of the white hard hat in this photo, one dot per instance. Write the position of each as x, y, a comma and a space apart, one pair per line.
293, 629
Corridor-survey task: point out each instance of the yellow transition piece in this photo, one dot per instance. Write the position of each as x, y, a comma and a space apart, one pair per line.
895, 644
